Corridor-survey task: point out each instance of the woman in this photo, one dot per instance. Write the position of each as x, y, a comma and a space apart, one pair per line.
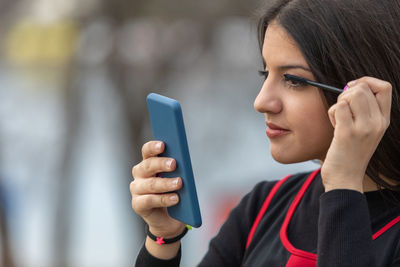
348, 212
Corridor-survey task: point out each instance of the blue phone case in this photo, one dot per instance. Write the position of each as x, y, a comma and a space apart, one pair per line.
167, 124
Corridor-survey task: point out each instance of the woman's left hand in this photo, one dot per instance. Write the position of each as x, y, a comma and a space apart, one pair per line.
360, 118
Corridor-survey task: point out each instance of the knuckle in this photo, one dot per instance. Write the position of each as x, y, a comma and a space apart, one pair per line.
361, 92
363, 78
135, 204
360, 87
341, 104
387, 85
164, 200
147, 202
146, 165
357, 93
363, 82
132, 187
341, 96
152, 184
134, 171
331, 110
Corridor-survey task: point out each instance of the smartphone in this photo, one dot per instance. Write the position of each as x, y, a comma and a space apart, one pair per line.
167, 124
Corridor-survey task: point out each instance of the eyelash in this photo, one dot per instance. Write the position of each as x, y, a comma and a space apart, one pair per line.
290, 83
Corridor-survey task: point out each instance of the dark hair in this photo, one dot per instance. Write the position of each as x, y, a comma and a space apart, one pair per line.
344, 40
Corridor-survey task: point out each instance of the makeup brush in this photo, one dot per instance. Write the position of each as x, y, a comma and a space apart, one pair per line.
301, 80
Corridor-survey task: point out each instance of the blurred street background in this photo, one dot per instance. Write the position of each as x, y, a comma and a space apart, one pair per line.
74, 76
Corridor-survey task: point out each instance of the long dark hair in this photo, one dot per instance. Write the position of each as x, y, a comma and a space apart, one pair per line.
343, 40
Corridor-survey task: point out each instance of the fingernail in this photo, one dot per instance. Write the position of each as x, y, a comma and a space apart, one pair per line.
173, 198
168, 163
351, 83
173, 183
345, 88
158, 146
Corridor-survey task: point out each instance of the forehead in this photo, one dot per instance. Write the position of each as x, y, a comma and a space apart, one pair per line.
279, 48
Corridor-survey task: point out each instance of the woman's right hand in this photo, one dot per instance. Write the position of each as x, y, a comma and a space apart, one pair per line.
151, 195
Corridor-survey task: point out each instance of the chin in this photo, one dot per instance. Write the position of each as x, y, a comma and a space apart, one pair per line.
287, 160
289, 157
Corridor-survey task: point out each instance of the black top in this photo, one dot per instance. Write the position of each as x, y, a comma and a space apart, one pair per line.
337, 225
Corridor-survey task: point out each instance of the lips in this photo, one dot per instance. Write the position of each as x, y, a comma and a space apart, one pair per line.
274, 130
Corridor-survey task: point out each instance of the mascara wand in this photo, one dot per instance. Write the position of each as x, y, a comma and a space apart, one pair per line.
316, 84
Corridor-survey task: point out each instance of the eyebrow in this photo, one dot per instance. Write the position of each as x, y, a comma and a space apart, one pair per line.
287, 67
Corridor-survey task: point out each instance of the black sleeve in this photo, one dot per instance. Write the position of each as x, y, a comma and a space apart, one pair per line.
344, 230
228, 246
396, 260
146, 259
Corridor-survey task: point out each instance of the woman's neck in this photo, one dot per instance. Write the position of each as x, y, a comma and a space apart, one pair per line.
369, 185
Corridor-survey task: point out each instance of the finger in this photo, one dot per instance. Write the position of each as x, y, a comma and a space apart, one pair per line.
155, 185
361, 101
151, 166
343, 115
144, 203
375, 112
152, 149
331, 114
383, 93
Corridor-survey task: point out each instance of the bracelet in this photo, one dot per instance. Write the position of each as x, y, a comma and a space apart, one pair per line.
161, 240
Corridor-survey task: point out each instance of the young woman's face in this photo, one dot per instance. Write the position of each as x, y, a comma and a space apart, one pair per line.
298, 124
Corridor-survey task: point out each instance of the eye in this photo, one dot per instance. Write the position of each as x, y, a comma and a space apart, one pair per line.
263, 73
293, 83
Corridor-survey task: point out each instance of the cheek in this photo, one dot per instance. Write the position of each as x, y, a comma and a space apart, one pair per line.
308, 109
312, 128
318, 129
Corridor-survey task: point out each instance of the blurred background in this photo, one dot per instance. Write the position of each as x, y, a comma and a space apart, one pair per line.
74, 78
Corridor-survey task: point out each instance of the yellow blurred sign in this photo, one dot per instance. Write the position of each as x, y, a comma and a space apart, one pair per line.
30, 43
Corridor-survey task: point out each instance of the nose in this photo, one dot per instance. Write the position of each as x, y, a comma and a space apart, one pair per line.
268, 99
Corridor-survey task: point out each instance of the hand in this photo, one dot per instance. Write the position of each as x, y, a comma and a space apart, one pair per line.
360, 118
151, 195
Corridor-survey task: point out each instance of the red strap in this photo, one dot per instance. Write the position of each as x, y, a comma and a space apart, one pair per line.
264, 209
386, 227
294, 251
289, 214
296, 261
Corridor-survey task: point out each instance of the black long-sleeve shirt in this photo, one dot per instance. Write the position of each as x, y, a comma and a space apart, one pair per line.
338, 226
